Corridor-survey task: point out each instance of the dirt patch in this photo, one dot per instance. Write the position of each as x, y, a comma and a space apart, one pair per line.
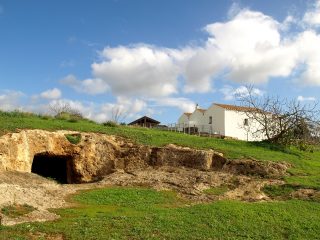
44, 194
18, 188
251, 167
307, 194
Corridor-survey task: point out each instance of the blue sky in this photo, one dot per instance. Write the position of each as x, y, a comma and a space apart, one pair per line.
156, 57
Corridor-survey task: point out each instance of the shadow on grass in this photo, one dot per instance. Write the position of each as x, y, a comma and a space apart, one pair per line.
274, 147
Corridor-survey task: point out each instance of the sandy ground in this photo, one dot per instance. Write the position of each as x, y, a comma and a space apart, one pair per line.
44, 194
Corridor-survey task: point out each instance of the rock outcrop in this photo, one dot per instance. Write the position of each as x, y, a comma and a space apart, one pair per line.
97, 155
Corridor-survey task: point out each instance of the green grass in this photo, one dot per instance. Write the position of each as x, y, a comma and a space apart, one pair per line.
306, 165
135, 213
16, 210
217, 190
280, 191
73, 138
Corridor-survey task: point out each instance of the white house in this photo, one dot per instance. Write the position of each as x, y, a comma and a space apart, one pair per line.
222, 119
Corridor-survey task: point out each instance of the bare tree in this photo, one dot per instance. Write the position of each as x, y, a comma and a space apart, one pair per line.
280, 120
118, 114
60, 108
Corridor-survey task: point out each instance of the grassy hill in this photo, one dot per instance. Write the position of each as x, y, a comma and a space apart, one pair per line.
137, 213
305, 170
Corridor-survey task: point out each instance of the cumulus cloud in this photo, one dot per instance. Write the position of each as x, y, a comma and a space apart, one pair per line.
184, 104
308, 45
252, 48
10, 100
138, 70
312, 16
90, 86
234, 9
303, 99
126, 108
201, 68
231, 93
249, 47
54, 93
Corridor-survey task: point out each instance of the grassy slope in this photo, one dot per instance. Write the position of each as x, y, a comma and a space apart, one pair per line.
306, 170
132, 213
145, 214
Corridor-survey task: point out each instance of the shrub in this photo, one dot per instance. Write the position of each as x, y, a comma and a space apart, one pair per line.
110, 124
73, 138
45, 117
71, 117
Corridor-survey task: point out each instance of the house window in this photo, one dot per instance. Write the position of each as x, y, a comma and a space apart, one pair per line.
246, 122
210, 120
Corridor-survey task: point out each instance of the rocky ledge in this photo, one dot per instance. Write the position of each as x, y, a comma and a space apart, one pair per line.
97, 155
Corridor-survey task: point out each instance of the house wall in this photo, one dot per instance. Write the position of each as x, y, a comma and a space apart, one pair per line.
182, 122
234, 126
183, 119
197, 118
224, 122
218, 123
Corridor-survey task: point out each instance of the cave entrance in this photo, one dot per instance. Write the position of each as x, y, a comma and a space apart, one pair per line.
56, 167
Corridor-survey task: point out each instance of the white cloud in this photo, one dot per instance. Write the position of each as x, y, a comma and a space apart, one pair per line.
138, 70
303, 99
184, 104
288, 22
312, 16
130, 108
90, 86
234, 9
200, 69
54, 93
10, 100
252, 48
127, 108
231, 93
308, 45
249, 47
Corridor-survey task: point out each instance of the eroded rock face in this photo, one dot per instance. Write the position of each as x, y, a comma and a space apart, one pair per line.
263, 169
94, 156
97, 155
175, 156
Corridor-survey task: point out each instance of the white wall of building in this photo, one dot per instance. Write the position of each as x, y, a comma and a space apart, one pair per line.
197, 118
225, 122
218, 116
235, 126
183, 119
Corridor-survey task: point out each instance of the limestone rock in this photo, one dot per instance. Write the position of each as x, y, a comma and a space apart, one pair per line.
97, 155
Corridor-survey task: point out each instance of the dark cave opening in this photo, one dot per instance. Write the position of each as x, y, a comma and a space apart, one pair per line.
53, 166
